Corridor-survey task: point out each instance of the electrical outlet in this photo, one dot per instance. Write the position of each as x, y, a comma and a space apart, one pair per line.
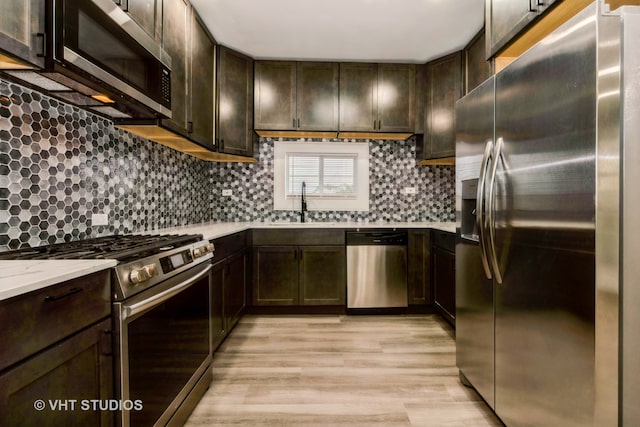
227, 193
99, 219
409, 190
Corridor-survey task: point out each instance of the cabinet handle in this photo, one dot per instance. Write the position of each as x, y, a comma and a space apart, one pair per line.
298, 124
533, 7
222, 145
107, 344
300, 254
295, 254
43, 36
51, 298
294, 123
190, 127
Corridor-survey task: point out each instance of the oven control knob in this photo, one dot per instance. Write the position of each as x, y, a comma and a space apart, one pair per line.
209, 247
151, 270
198, 252
138, 275
142, 274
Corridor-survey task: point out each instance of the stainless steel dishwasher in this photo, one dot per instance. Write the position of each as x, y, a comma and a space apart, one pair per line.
376, 269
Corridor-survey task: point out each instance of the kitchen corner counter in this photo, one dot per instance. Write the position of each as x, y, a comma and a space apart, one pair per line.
21, 277
215, 230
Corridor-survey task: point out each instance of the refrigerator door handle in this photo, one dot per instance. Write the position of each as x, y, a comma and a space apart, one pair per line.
480, 207
497, 153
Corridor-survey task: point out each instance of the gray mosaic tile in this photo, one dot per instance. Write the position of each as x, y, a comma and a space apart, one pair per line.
60, 164
392, 167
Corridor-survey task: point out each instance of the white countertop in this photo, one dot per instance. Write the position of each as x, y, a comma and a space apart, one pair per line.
214, 230
20, 277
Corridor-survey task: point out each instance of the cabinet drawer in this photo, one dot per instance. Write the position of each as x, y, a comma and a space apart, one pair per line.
444, 240
297, 236
38, 319
228, 245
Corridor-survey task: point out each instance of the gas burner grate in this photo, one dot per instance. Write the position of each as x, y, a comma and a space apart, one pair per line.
121, 248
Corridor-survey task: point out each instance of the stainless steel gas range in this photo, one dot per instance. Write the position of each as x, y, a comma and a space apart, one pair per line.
161, 290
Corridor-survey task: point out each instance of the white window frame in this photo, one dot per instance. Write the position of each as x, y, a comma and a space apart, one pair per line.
359, 202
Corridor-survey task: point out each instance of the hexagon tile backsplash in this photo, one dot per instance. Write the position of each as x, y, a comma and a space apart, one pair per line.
59, 165
391, 168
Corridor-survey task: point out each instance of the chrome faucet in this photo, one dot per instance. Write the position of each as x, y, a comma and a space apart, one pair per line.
303, 203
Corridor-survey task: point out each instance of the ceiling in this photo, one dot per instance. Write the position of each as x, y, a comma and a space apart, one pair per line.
343, 30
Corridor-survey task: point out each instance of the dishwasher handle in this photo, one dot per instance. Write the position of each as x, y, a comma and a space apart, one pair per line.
396, 238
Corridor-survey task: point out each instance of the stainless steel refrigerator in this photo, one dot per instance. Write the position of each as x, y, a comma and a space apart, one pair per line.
547, 192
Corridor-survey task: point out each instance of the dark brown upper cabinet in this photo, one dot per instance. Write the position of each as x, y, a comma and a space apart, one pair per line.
296, 95
477, 68
505, 19
147, 14
192, 54
377, 97
201, 84
22, 33
275, 95
444, 84
234, 112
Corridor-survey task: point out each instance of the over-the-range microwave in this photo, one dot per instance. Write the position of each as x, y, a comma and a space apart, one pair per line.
98, 58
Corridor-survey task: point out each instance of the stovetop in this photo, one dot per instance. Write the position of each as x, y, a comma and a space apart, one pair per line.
122, 248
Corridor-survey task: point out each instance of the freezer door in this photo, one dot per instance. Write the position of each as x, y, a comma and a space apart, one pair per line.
543, 229
474, 287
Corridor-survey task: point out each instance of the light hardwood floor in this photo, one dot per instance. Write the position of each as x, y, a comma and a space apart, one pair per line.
339, 371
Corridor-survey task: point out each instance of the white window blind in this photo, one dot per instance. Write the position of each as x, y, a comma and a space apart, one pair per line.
324, 175
336, 175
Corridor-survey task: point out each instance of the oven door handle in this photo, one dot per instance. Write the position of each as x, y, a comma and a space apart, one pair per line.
139, 307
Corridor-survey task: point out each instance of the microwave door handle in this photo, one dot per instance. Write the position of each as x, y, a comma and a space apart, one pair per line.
497, 155
480, 207
139, 307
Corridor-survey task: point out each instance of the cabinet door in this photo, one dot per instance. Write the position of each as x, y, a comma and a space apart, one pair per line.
358, 97
478, 69
202, 83
396, 97
22, 31
147, 13
445, 88
322, 275
218, 330
419, 266
174, 41
235, 103
78, 368
275, 275
317, 96
444, 283
505, 19
275, 95
234, 288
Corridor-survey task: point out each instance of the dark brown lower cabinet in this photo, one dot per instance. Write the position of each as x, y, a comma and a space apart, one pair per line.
70, 373
229, 287
419, 267
444, 283
275, 275
234, 288
218, 331
322, 275
299, 275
